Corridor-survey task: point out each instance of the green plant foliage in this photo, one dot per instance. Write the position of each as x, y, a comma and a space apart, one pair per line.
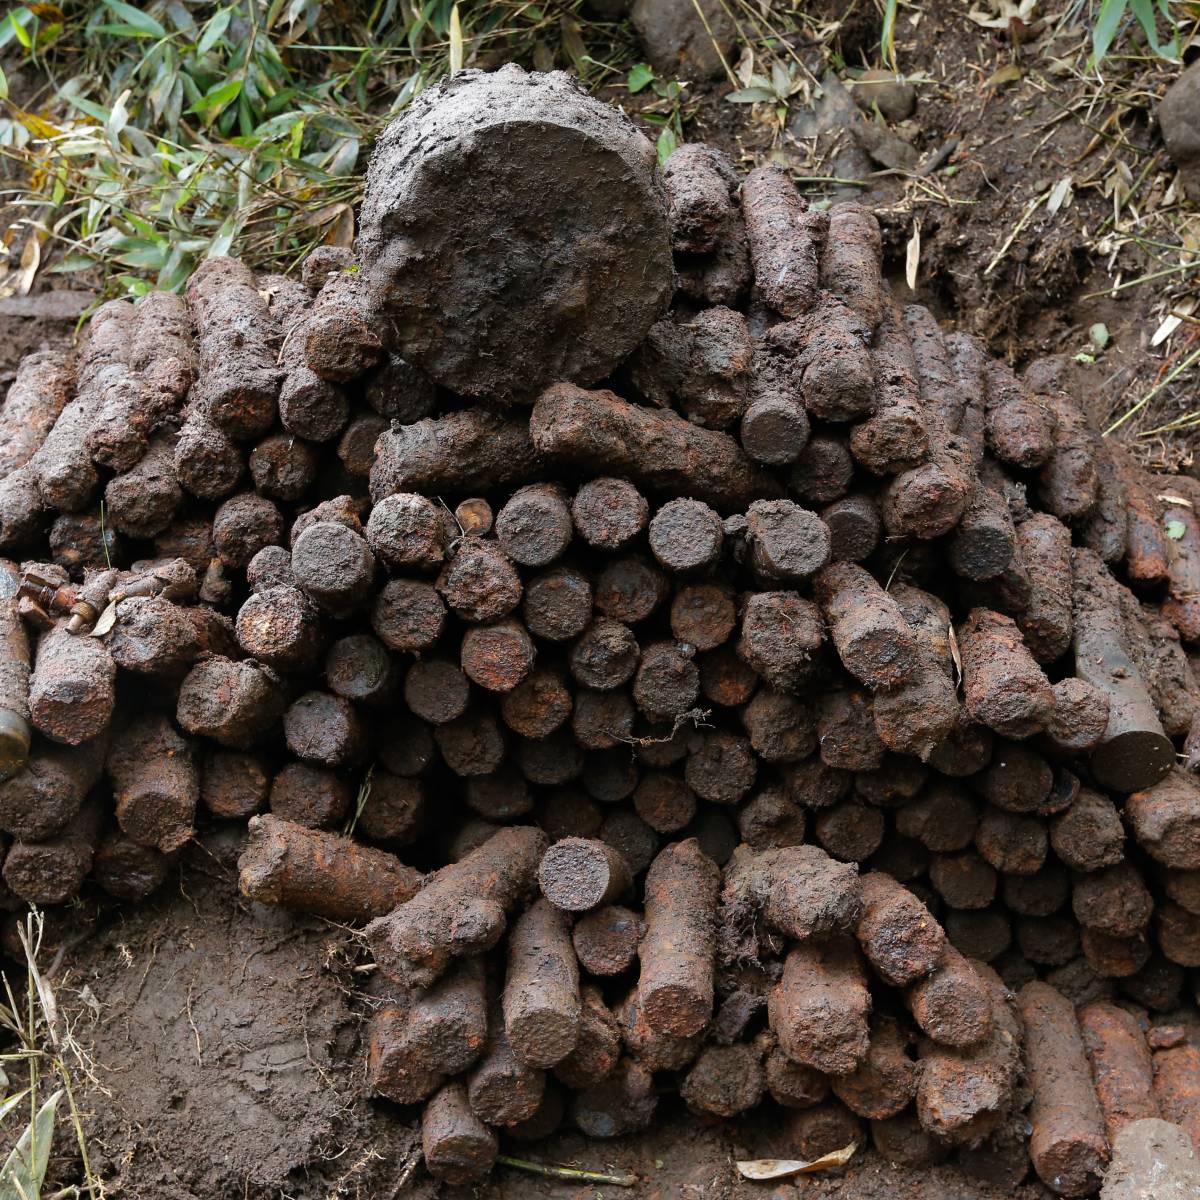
177, 130
1111, 16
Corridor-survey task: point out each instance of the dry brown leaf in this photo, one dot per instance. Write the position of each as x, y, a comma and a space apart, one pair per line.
1009, 74
783, 1168
912, 260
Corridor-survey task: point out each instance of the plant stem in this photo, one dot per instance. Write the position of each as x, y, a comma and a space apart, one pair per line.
555, 1172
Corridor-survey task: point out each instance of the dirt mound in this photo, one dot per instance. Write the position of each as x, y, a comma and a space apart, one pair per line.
226, 1060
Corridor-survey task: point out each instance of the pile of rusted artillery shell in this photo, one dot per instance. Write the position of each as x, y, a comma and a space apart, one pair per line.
731, 682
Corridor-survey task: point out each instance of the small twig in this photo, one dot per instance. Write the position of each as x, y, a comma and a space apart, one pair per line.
554, 1172
940, 156
733, 79
1031, 208
1191, 360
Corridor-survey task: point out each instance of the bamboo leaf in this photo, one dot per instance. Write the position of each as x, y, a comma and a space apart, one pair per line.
25, 1169
218, 97
143, 22
887, 36
214, 31
1108, 22
750, 95
667, 144
1144, 11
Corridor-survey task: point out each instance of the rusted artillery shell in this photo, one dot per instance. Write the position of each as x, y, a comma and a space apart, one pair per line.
798, 891
579, 874
497, 657
558, 604
599, 430
1081, 712
407, 532
1135, 753
963, 1095
1004, 688
534, 526
885, 1081
35, 399
724, 1081
501, 1089
413, 1045
851, 261
51, 872
701, 184
479, 583
819, 1008
780, 636
622, 1103
42, 799
952, 1004
675, 990
408, 615
1069, 483
1068, 1146
1044, 546
793, 1085
321, 873
539, 313
541, 990
1089, 835
598, 1046
897, 933
279, 626
233, 785
786, 543
71, 687
309, 796
156, 783
786, 239
1020, 428
866, 625
1013, 844
609, 513
462, 909
1165, 820
686, 536
606, 940
470, 451
895, 437
1177, 1087
143, 502
1121, 1066
1115, 901
322, 728
902, 1142
232, 703
127, 870
334, 566
458, 1147
1146, 549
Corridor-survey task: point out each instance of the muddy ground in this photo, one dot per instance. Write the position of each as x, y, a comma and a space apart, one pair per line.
223, 1039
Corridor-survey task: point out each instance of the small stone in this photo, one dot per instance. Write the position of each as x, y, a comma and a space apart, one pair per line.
886, 91
1179, 118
